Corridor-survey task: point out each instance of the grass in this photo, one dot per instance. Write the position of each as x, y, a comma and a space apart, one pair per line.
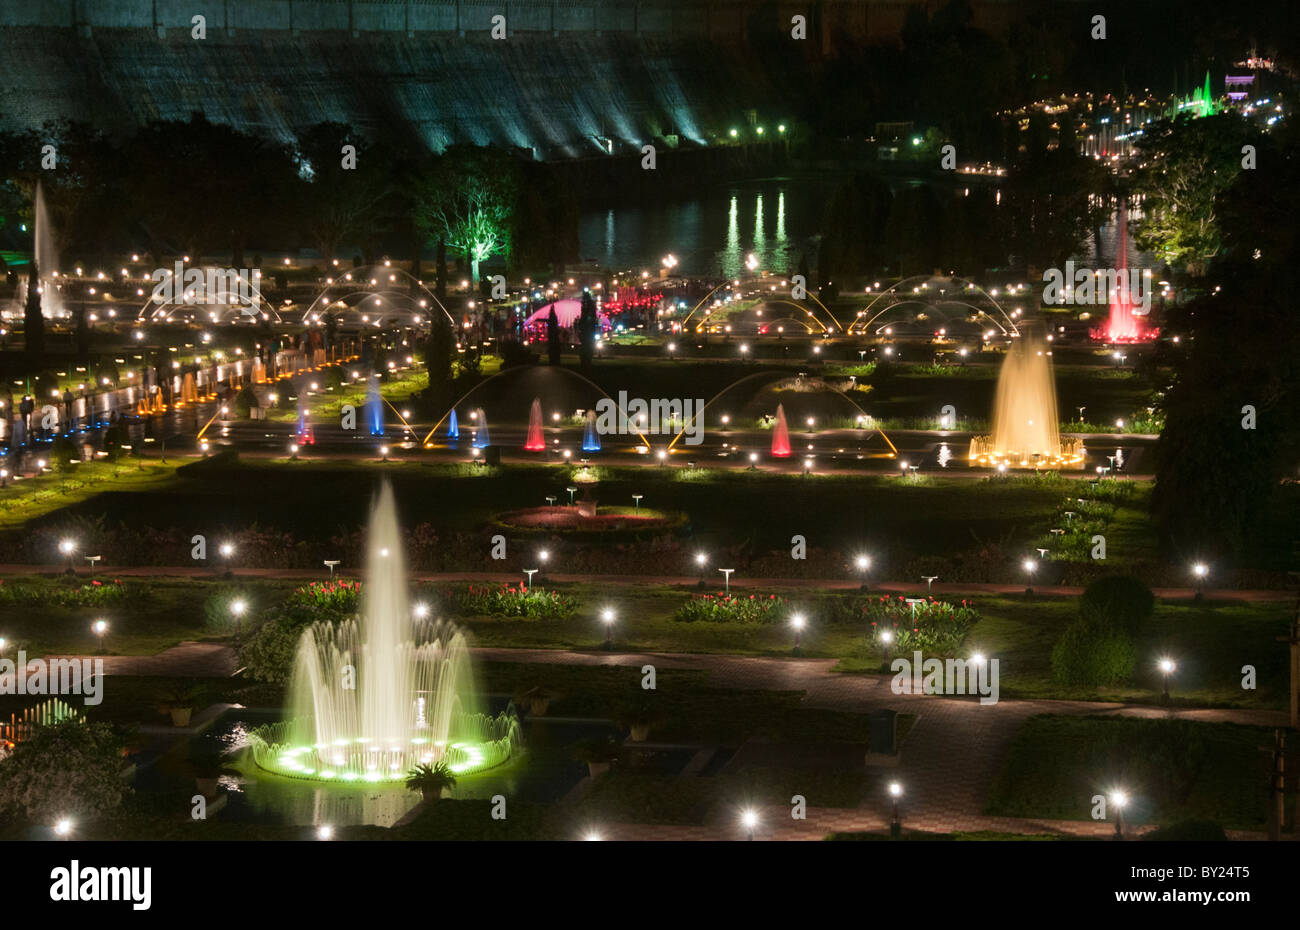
31, 498
1170, 769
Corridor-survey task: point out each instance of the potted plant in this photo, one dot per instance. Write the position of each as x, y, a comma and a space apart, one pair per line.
599, 754
180, 701
432, 781
639, 717
208, 767
537, 699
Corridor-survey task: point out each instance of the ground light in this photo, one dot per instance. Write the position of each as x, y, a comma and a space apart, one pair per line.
749, 820
1030, 566
69, 548
895, 825
325, 832
701, 562
863, 564
797, 623
1167, 669
421, 610
592, 836
63, 827
886, 638
227, 550
238, 608
607, 617
1200, 571
99, 628
1118, 800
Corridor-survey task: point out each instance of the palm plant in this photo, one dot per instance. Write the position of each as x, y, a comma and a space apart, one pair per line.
431, 780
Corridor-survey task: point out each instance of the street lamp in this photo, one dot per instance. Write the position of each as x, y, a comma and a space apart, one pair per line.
1167, 668
607, 617
68, 547
100, 627
726, 576
797, 622
1030, 567
1118, 800
749, 818
895, 826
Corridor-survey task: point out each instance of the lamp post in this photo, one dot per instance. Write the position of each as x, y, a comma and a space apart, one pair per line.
69, 548
1118, 800
636, 502
607, 617
886, 637
543, 556
227, 550
749, 818
726, 576
330, 563
530, 572
929, 582
100, 627
1167, 668
702, 562
797, 623
1030, 567
92, 559
572, 490
895, 825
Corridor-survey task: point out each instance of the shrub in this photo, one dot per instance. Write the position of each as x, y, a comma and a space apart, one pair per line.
1090, 653
245, 401
67, 769
332, 600
94, 594
733, 608
511, 601
269, 653
1121, 601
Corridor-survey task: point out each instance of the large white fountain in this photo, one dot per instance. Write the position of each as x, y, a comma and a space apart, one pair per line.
46, 256
1026, 432
372, 697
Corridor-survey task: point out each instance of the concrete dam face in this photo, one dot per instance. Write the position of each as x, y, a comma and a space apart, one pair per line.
569, 79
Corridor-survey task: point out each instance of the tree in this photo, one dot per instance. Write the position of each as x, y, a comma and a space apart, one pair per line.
439, 350
339, 201
33, 321
466, 199
588, 326
67, 769
1189, 164
553, 337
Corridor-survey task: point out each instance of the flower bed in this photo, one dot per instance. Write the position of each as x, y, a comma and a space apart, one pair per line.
730, 608
938, 626
509, 600
94, 594
342, 597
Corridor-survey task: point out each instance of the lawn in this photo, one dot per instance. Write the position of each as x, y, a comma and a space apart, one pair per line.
1171, 770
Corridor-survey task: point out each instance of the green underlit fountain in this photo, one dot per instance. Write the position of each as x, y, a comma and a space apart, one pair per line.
373, 697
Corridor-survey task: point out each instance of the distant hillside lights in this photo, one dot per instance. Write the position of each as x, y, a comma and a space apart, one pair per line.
179, 285
1084, 286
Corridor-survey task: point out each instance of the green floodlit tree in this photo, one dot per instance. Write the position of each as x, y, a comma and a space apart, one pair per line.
466, 200
1189, 163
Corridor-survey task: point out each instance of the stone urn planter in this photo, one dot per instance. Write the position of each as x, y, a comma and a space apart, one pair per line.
596, 769
638, 732
181, 716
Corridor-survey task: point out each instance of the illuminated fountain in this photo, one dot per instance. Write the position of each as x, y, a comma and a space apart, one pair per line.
780, 435
374, 408
481, 438
1125, 323
46, 257
453, 425
1026, 433
590, 435
375, 696
535, 442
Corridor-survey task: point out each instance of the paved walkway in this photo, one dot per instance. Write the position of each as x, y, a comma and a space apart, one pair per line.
740, 583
